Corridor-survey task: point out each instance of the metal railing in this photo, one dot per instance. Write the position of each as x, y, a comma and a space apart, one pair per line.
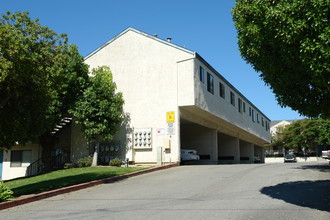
35, 168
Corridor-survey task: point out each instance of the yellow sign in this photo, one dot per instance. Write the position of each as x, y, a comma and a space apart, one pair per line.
170, 117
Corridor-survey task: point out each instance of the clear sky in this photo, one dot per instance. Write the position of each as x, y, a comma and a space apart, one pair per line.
202, 26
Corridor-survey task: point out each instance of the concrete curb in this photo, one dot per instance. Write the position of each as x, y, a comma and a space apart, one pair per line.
55, 192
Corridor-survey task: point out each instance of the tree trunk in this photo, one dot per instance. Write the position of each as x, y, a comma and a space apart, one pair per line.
95, 155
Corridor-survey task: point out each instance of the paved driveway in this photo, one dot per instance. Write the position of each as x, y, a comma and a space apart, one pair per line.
251, 191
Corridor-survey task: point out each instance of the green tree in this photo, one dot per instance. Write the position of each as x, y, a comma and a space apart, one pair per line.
324, 133
305, 134
288, 42
100, 109
41, 76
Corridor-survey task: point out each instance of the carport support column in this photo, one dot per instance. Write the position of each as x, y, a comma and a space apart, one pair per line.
262, 155
251, 152
260, 151
236, 150
246, 151
214, 146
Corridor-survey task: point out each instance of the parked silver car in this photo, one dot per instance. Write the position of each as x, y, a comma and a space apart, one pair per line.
290, 158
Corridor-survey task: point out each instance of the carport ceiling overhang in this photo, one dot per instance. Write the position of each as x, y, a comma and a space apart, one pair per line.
192, 114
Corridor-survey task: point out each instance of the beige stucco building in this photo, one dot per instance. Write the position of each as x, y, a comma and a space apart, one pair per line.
14, 163
176, 100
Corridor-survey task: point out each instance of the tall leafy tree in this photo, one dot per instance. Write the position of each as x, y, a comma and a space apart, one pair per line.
41, 76
304, 134
100, 110
288, 42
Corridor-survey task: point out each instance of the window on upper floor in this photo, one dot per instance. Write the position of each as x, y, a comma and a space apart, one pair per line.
222, 91
258, 118
210, 83
240, 105
262, 122
19, 158
232, 98
201, 74
243, 106
253, 117
250, 111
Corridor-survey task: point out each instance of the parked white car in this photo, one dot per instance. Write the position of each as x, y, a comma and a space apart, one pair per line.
187, 154
326, 154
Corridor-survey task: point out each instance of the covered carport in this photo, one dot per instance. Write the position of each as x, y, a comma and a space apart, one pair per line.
229, 150
246, 152
259, 152
216, 140
199, 138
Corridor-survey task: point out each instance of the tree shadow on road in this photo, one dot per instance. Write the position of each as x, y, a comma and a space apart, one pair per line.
319, 167
311, 194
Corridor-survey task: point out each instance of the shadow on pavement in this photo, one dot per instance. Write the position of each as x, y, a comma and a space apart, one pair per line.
311, 194
319, 167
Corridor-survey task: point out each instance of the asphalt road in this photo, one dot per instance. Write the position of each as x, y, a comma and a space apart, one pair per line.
251, 191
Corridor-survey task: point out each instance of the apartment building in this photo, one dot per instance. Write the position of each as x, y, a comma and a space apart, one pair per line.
175, 100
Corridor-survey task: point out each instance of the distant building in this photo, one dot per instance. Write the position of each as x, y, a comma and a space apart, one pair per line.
275, 125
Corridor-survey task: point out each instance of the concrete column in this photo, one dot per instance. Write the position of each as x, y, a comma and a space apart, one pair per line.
236, 150
260, 152
228, 149
262, 157
214, 145
247, 152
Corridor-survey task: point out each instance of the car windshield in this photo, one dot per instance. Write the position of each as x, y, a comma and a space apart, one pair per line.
289, 156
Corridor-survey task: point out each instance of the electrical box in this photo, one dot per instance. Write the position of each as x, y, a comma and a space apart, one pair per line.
142, 138
167, 144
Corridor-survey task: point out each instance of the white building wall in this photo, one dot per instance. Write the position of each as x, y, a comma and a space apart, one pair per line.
186, 82
156, 77
222, 107
281, 124
9, 172
79, 145
146, 72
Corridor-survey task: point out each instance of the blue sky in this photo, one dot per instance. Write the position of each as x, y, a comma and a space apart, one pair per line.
202, 26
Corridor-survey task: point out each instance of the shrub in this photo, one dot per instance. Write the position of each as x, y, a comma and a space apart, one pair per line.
70, 165
85, 162
115, 162
5, 193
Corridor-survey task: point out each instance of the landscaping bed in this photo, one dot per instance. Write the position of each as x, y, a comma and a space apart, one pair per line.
63, 178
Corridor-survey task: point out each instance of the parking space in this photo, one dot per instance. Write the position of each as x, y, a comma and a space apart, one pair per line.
215, 147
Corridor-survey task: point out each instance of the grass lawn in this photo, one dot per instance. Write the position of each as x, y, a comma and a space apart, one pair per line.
66, 177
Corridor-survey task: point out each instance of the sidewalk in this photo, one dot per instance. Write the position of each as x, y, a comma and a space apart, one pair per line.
35, 197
